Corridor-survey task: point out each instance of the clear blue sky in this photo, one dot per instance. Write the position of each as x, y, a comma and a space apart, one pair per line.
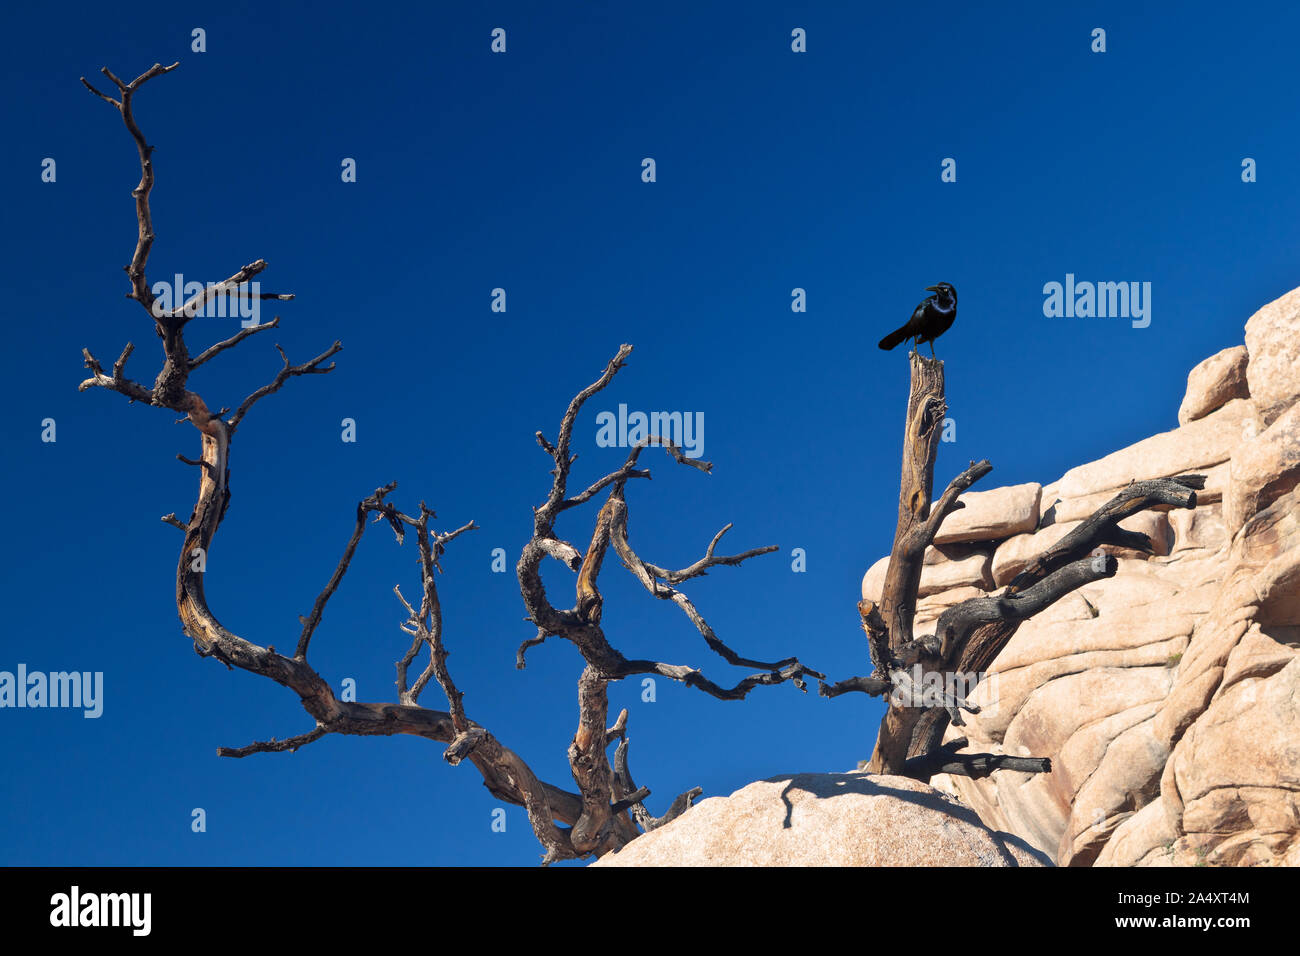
775, 170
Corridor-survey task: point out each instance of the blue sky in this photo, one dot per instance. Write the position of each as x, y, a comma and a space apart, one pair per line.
775, 170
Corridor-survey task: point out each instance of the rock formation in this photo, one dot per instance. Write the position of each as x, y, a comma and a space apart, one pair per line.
828, 819
1168, 696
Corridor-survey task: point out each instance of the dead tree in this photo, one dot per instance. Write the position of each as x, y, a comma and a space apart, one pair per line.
607, 809
968, 637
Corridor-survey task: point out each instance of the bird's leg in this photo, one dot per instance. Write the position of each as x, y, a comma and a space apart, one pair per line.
932, 355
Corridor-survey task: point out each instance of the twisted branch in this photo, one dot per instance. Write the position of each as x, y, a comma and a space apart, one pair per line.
504, 773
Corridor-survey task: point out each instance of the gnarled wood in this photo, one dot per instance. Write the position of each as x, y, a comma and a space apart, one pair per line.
922, 430
967, 637
600, 816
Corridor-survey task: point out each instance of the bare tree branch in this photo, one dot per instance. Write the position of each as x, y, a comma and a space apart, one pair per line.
872, 686
175, 522
310, 622
956, 624
603, 825
967, 637
275, 746
601, 815
647, 574
140, 290
561, 551
504, 773
560, 451
428, 622
630, 796
520, 662
710, 560
214, 350
287, 372
972, 765
1101, 527
116, 382
183, 313
794, 673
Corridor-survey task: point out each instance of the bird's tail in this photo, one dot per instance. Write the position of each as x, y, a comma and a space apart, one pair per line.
893, 338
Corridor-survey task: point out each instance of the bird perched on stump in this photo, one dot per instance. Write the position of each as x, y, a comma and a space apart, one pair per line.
933, 317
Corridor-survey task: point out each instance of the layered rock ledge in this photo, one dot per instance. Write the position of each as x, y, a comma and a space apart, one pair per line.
1168, 696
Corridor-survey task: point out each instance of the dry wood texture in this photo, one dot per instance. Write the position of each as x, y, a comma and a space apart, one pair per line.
969, 636
607, 810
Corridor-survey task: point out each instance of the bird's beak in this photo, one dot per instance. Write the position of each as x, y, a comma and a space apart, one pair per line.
932, 288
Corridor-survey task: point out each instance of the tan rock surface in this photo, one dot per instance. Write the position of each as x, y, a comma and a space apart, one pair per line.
937, 576
1263, 468
1241, 783
1193, 447
1273, 342
990, 515
1076, 509
946, 575
1198, 529
930, 607
827, 819
1013, 554
1047, 498
1171, 716
873, 582
1213, 383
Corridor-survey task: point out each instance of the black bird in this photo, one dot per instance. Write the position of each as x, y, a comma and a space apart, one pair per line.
933, 317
